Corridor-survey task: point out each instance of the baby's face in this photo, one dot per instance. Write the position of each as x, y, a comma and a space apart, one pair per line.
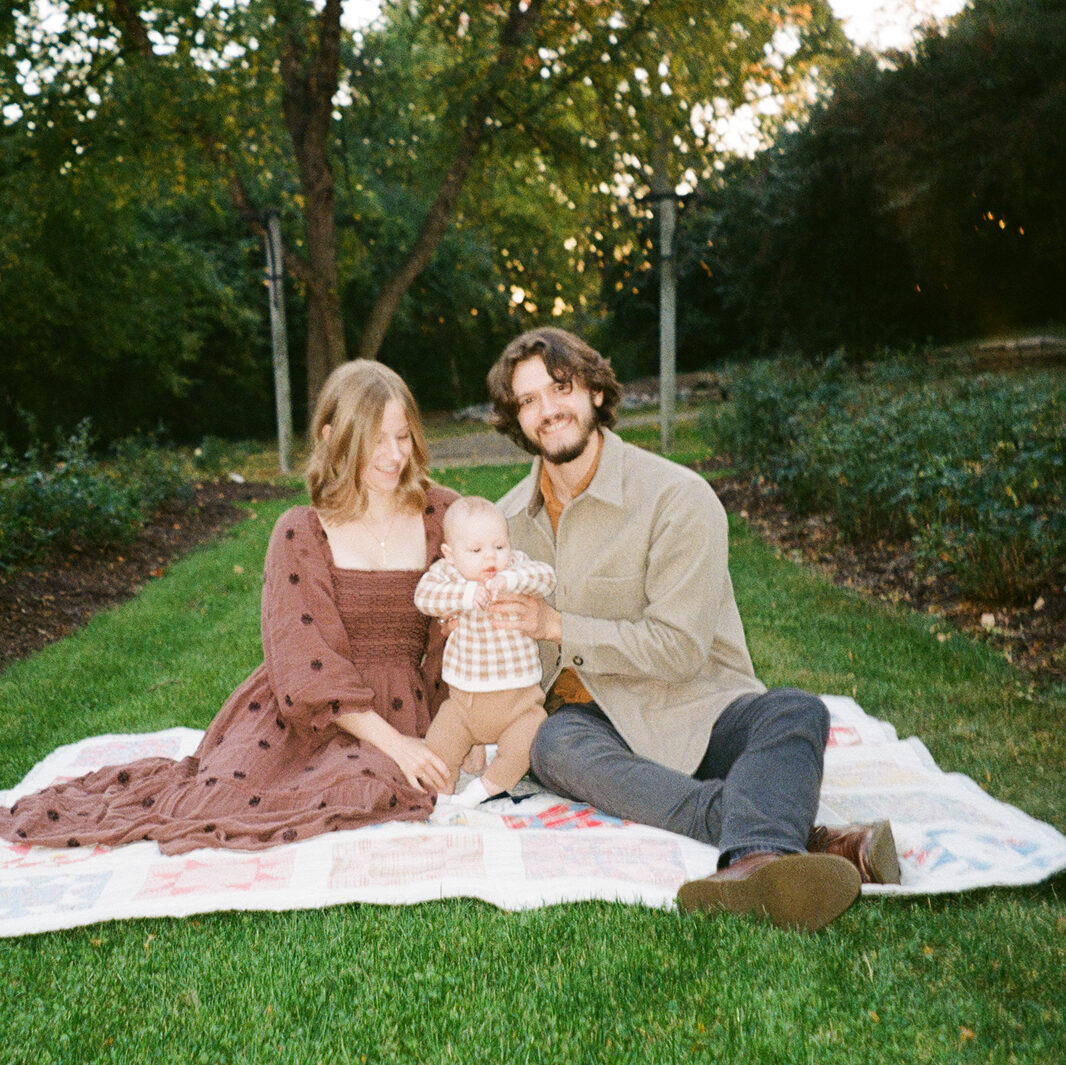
481, 548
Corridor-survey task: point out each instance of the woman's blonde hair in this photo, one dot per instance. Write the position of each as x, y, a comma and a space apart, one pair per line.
352, 403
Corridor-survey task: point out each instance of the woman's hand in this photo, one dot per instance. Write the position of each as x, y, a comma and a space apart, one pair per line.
529, 615
417, 762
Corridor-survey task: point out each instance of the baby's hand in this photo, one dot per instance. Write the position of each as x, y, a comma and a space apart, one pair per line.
495, 584
482, 597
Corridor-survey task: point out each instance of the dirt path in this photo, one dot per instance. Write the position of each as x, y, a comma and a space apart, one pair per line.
486, 447
479, 448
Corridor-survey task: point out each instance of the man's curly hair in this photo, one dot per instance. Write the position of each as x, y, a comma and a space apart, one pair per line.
565, 357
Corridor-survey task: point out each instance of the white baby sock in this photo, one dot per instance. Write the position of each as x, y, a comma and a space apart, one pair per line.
472, 795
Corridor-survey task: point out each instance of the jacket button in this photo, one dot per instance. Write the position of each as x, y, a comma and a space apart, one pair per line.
578, 660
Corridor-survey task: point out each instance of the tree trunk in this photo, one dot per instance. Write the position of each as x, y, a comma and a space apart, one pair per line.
133, 28
521, 19
325, 321
309, 73
309, 68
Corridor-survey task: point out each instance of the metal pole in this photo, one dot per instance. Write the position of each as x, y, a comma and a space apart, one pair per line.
279, 341
667, 320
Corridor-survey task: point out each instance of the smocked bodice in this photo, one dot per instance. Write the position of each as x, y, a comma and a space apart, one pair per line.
393, 628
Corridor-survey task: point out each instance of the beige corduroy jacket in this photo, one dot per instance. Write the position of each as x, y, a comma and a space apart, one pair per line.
650, 623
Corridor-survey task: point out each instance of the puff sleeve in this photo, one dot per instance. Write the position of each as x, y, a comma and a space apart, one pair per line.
305, 644
438, 499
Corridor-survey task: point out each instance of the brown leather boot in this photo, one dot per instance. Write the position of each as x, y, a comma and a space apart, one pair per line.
792, 890
870, 848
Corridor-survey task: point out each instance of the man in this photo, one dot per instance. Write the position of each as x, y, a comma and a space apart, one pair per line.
656, 713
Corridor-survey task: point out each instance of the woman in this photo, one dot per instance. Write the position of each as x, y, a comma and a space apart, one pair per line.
325, 734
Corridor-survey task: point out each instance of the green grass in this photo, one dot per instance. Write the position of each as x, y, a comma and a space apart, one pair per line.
977, 977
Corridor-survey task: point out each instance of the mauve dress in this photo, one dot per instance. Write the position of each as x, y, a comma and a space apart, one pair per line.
274, 766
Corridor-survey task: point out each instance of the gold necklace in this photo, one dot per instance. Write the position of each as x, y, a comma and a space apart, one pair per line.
384, 539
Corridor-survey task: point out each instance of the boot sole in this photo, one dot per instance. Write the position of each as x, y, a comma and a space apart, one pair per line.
805, 891
884, 860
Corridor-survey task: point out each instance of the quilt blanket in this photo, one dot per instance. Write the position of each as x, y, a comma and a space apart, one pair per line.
534, 849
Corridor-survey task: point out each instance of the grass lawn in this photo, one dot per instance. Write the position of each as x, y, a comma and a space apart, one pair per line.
979, 977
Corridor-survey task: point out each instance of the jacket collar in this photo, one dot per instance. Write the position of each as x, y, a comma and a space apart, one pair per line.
606, 485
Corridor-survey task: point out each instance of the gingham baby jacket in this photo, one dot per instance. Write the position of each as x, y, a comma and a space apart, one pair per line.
477, 657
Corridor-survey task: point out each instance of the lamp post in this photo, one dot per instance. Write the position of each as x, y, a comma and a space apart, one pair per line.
666, 200
279, 340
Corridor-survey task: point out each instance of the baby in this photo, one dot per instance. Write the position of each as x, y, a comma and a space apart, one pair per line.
493, 675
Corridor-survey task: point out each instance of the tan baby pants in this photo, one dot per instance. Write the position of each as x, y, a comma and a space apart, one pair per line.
509, 719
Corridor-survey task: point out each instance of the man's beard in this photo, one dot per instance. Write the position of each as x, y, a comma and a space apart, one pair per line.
567, 452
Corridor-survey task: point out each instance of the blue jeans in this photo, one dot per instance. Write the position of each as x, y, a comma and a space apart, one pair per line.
755, 789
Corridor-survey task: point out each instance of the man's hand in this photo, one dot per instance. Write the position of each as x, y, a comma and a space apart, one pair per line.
529, 615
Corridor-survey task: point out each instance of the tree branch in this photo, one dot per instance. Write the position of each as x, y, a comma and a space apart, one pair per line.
242, 202
521, 19
133, 29
558, 85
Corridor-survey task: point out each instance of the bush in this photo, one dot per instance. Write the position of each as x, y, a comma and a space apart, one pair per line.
54, 501
970, 471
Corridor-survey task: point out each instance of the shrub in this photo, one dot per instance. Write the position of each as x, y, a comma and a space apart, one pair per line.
62, 500
970, 471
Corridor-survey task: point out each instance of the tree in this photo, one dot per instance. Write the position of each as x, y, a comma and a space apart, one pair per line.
310, 57
970, 174
208, 70
922, 201
578, 113
124, 296
511, 47
305, 49
567, 90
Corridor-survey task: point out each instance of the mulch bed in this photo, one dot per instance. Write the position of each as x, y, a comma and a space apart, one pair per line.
55, 597
1032, 637
43, 604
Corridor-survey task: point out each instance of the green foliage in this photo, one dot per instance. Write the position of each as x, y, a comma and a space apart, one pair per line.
451, 324
131, 295
131, 280
133, 318
54, 501
216, 456
971, 470
922, 200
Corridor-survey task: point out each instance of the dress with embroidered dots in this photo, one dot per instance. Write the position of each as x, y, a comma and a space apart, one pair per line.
274, 766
